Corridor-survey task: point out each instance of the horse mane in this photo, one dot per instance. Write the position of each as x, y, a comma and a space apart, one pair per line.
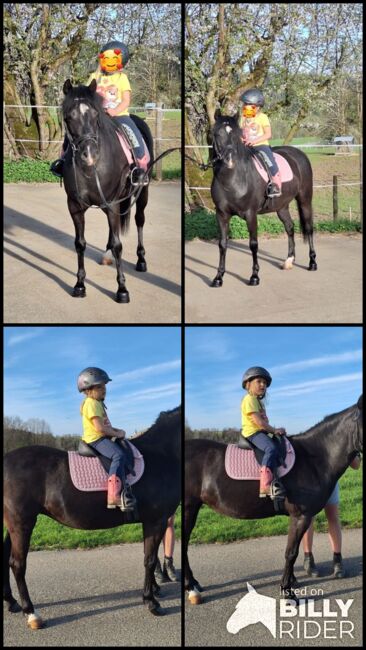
93, 99
161, 426
236, 134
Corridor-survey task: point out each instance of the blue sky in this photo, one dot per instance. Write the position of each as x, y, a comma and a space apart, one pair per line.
316, 371
41, 365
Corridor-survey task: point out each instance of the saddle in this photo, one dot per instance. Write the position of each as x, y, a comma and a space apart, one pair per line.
89, 469
242, 463
128, 142
262, 167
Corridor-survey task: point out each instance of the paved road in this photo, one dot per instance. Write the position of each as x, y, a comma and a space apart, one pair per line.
225, 569
332, 294
40, 261
94, 598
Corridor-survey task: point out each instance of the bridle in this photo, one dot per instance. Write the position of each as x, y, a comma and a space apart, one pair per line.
356, 417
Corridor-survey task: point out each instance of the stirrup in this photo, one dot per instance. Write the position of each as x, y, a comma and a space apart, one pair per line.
277, 490
273, 190
139, 177
128, 501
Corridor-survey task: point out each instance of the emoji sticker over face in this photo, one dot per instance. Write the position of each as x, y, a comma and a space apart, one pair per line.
111, 60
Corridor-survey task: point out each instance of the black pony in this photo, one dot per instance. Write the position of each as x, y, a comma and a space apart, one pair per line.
323, 454
238, 189
96, 172
37, 481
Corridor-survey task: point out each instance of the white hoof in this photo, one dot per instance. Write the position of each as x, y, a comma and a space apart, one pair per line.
34, 621
288, 264
107, 258
194, 597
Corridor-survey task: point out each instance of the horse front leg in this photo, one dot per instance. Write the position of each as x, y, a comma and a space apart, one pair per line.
78, 217
223, 221
251, 219
114, 244
140, 221
299, 523
153, 534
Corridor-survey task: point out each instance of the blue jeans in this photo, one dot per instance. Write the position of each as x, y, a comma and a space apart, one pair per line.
269, 157
112, 450
266, 444
135, 137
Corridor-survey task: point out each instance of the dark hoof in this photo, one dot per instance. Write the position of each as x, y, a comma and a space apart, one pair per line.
123, 296
156, 610
141, 266
290, 596
254, 281
79, 292
313, 266
217, 282
14, 607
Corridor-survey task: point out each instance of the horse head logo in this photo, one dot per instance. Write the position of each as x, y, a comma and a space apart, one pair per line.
253, 608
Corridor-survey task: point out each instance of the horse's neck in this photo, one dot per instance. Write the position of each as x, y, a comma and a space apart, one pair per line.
328, 446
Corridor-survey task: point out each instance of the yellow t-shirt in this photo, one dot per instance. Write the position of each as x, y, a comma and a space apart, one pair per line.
253, 127
250, 405
89, 409
111, 87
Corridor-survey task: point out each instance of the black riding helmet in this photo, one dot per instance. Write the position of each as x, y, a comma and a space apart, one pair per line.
253, 96
92, 377
254, 372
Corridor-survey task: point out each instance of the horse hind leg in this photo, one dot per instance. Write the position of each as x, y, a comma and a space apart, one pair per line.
307, 228
285, 216
17, 547
140, 221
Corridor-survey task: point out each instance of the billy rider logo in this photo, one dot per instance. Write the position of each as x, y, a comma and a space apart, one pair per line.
309, 620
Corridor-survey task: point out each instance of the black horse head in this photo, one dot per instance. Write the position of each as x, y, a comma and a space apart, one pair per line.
84, 116
227, 139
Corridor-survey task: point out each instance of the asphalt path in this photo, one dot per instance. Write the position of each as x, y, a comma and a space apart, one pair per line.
332, 294
224, 570
40, 262
94, 598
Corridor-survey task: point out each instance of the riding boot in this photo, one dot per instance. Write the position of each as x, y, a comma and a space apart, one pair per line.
338, 570
158, 573
138, 176
274, 186
114, 491
309, 565
57, 168
266, 479
169, 572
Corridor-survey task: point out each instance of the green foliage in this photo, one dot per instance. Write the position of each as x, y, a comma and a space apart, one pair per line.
202, 224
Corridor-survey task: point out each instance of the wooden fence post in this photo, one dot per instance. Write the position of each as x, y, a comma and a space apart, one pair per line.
159, 144
335, 198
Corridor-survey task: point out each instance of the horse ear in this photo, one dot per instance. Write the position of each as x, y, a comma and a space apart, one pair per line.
217, 114
93, 85
67, 86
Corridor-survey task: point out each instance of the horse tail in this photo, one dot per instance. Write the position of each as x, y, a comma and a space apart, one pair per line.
125, 220
306, 218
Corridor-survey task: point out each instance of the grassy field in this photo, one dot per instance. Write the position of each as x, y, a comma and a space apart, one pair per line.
214, 528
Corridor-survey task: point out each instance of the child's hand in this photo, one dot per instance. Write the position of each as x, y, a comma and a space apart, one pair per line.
120, 433
280, 432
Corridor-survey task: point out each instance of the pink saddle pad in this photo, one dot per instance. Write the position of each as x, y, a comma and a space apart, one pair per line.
241, 464
88, 474
143, 162
285, 169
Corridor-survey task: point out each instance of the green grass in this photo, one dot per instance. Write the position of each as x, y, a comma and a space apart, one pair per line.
214, 528
48, 534
202, 223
